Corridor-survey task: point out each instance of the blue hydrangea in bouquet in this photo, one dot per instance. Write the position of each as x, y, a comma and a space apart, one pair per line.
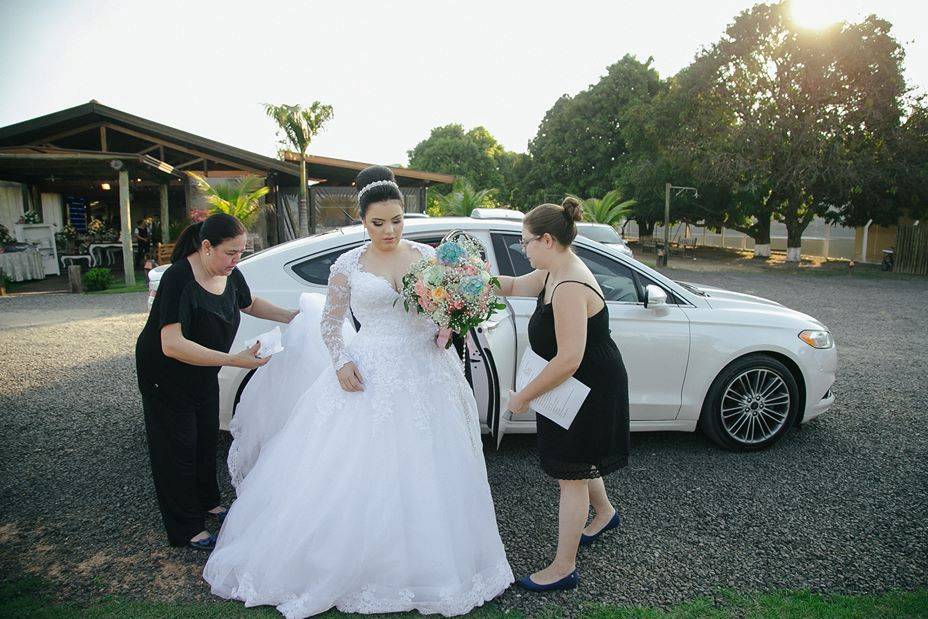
454, 288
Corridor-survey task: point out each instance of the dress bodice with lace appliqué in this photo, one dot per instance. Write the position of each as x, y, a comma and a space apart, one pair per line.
376, 305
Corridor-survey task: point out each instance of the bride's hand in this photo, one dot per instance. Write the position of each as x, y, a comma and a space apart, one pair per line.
349, 378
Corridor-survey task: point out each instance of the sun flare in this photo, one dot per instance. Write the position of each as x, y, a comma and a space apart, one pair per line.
814, 14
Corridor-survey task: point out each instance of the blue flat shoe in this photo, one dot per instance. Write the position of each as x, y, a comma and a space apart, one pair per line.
204, 544
586, 540
219, 516
568, 582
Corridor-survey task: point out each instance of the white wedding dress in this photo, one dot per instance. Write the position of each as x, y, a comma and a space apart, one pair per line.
373, 501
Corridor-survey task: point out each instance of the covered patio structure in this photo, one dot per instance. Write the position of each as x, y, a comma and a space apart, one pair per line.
95, 164
31, 167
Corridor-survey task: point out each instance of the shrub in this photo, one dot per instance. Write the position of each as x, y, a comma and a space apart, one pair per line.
98, 279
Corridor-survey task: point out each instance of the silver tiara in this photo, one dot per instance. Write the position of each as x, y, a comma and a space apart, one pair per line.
377, 184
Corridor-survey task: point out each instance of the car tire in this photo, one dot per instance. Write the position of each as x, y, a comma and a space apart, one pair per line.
751, 404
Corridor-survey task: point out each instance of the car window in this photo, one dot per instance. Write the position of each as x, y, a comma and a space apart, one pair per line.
315, 270
509, 255
435, 241
616, 280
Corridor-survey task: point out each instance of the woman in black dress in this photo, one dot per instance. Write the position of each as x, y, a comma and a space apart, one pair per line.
178, 355
570, 329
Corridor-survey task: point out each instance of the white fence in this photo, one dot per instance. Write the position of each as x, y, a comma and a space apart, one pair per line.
819, 239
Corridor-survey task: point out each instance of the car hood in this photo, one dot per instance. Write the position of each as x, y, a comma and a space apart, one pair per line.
719, 296
721, 299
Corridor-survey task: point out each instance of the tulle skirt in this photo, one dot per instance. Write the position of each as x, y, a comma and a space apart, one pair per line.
375, 501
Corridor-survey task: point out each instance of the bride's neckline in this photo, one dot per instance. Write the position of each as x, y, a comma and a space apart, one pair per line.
361, 268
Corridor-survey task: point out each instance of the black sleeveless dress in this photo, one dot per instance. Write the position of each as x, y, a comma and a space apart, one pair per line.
597, 442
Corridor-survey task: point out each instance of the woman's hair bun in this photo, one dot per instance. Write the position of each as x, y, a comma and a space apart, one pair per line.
375, 184
572, 208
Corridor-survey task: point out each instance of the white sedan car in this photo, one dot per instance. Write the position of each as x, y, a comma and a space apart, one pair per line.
741, 368
606, 235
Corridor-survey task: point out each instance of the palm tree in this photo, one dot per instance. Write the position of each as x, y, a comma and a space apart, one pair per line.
300, 125
240, 198
463, 199
609, 210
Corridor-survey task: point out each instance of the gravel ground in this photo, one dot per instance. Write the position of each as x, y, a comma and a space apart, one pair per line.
837, 506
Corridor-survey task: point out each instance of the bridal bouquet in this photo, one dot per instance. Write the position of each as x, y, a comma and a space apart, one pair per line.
454, 288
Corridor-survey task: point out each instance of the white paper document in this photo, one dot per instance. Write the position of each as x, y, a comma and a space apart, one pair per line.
270, 343
562, 403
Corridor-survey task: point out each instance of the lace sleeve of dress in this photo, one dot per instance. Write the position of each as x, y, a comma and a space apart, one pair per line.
425, 249
337, 302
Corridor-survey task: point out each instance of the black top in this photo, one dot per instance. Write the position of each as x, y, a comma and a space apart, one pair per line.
208, 319
597, 442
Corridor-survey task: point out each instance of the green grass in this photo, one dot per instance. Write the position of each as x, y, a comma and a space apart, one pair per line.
120, 287
29, 597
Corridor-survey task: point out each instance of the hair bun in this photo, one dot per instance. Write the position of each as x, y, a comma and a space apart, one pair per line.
372, 174
572, 208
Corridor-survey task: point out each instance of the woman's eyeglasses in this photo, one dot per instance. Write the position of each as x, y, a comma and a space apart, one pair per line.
524, 243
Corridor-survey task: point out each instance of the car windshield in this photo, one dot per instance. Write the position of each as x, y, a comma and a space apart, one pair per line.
692, 288
602, 234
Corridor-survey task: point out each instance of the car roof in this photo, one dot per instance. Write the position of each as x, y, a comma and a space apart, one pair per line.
356, 233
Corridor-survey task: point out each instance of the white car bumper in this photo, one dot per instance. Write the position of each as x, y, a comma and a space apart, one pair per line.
819, 381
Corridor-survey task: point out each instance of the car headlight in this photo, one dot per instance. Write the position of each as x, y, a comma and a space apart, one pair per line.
817, 339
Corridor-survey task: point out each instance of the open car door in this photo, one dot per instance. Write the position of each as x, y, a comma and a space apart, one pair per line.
491, 356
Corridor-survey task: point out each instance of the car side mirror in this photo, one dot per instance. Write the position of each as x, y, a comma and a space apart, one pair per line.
654, 295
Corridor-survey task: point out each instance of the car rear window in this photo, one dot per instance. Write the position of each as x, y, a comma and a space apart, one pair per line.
315, 270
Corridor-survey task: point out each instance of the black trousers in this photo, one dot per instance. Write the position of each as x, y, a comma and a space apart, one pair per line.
182, 440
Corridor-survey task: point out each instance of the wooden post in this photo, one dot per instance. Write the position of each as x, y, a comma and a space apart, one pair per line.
165, 227
662, 260
75, 280
128, 263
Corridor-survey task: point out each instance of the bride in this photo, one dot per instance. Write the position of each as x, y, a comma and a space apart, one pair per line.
371, 494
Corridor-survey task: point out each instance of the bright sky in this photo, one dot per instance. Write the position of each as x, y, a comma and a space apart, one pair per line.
392, 70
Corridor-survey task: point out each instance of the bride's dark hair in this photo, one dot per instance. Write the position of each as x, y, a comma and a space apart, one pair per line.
378, 193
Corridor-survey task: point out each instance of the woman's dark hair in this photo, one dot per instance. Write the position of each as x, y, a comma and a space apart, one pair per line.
216, 228
377, 193
558, 221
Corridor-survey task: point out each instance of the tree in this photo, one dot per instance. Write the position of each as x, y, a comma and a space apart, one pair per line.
681, 136
463, 199
898, 175
240, 197
579, 147
609, 210
809, 111
474, 155
299, 126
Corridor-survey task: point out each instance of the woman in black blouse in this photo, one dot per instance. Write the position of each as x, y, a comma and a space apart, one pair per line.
178, 355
